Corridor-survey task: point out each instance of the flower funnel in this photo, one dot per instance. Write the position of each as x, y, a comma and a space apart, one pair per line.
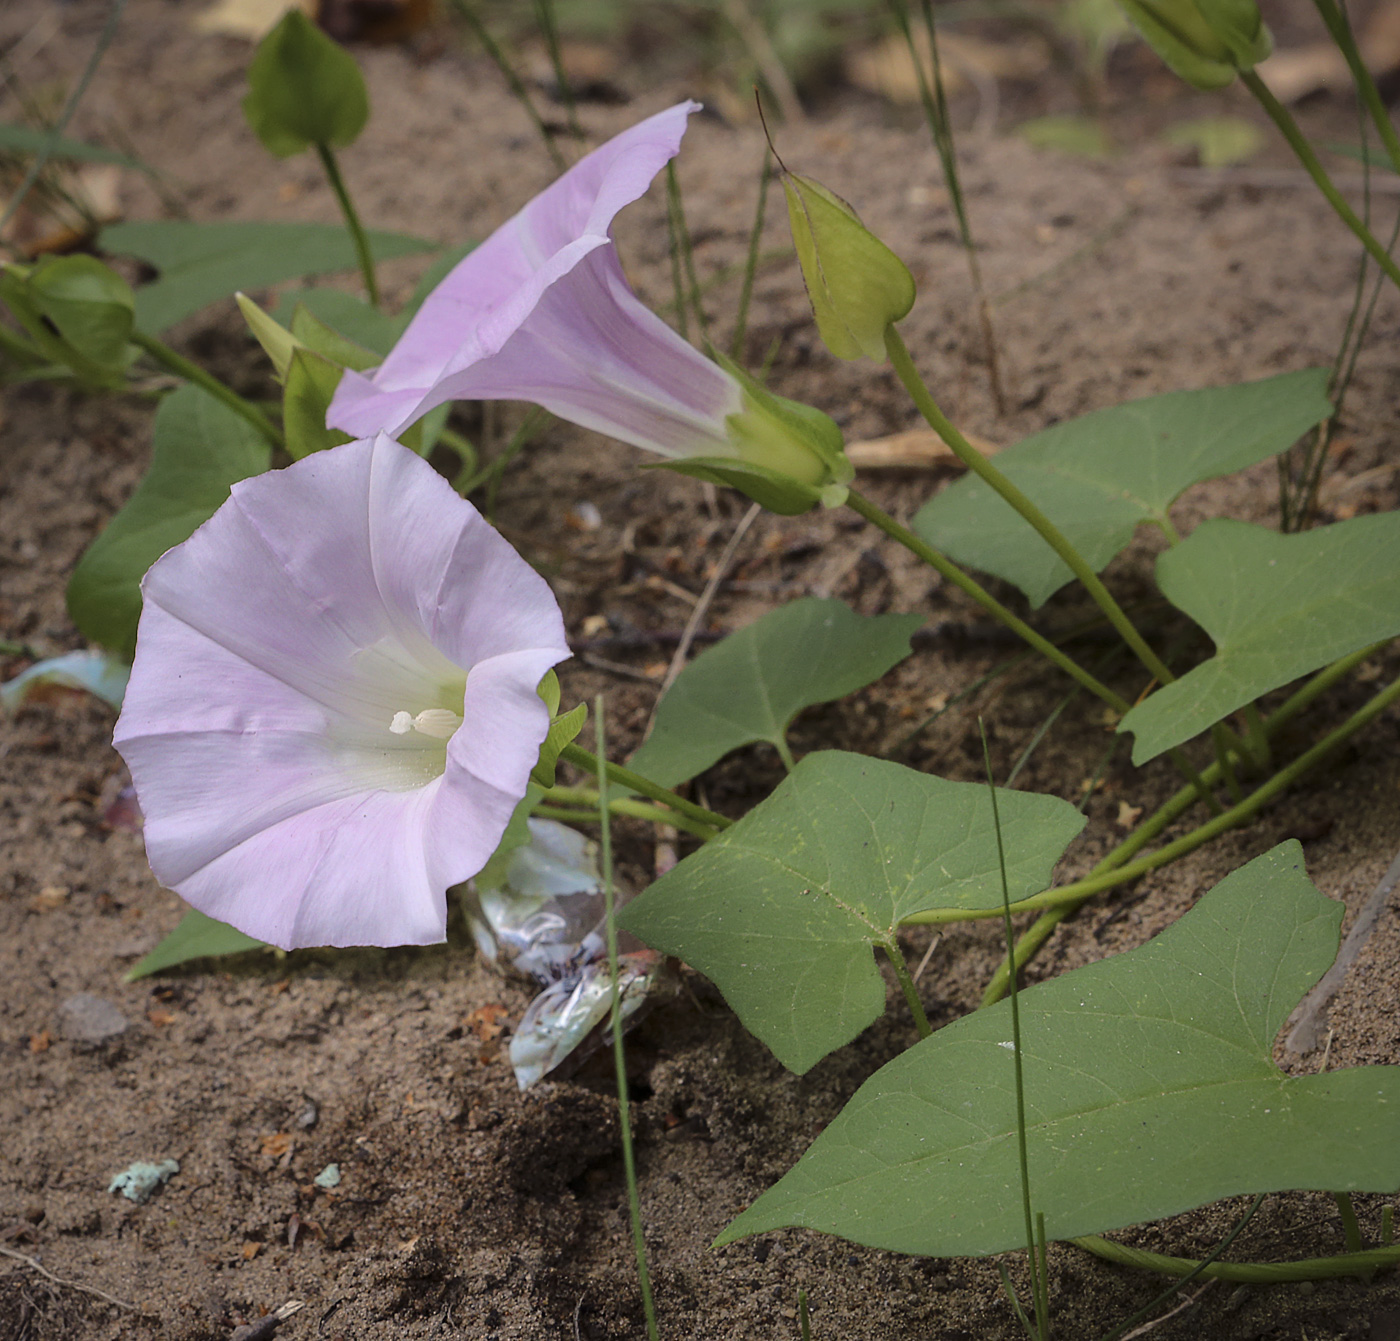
333, 711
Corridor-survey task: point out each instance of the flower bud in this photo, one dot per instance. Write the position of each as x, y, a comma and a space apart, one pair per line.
856, 284
1205, 42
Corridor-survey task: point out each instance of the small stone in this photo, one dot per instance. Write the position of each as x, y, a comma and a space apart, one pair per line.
85, 1018
328, 1178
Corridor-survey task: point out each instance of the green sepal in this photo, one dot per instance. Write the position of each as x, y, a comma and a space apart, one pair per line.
278, 343
78, 312
311, 382
563, 730
304, 88
778, 493
311, 331
856, 284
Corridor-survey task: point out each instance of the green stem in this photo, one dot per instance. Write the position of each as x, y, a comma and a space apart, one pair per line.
352, 221
785, 753
1340, 29
1067, 897
1227, 767
625, 777
1281, 117
192, 372
1256, 739
624, 806
624, 1114
1245, 1273
1043, 526
908, 986
1350, 1225
861, 505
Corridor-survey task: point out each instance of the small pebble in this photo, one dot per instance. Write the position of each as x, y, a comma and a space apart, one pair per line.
85, 1018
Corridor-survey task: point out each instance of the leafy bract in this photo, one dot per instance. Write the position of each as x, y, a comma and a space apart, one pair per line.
1150, 1088
200, 263
197, 937
1276, 606
751, 685
200, 449
1100, 476
782, 910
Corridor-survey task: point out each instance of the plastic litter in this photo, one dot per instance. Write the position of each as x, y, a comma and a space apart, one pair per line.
328, 1178
137, 1181
545, 920
94, 671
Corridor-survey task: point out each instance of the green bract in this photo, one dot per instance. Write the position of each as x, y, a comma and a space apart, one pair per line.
857, 285
1206, 42
304, 89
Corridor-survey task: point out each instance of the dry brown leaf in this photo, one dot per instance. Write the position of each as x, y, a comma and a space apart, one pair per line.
484, 1021
1295, 73
49, 898
159, 1017
249, 19
914, 449
275, 1144
1127, 815
40, 1042
887, 69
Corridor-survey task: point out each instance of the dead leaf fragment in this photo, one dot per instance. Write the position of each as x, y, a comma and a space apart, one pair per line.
40, 1042
1127, 815
248, 19
49, 898
275, 1144
914, 449
484, 1021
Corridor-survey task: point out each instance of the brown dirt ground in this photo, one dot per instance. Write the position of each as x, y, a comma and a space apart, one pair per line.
467, 1209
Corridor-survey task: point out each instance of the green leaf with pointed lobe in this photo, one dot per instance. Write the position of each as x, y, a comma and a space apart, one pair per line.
783, 909
200, 263
751, 685
197, 937
200, 450
1277, 608
1102, 475
1150, 1089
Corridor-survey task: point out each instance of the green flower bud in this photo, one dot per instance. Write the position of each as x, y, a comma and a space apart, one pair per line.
1205, 42
856, 284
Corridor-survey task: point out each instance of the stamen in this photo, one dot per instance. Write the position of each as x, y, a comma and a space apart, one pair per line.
439, 723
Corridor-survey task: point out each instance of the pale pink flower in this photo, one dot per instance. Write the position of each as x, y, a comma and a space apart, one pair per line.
542, 312
333, 709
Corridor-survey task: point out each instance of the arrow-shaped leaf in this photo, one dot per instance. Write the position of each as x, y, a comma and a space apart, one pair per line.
1276, 606
1100, 476
782, 910
1150, 1088
751, 685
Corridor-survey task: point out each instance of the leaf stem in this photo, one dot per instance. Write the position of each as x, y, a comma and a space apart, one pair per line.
1043, 526
907, 986
587, 812
1244, 1273
1282, 118
1340, 28
352, 222
861, 505
192, 372
625, 777
1351, 1227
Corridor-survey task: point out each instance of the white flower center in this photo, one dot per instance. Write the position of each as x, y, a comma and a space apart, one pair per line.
439, 723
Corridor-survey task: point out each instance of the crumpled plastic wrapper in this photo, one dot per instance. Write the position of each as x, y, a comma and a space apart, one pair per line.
544, 919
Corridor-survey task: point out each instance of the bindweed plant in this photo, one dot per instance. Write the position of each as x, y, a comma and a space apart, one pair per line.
342, 702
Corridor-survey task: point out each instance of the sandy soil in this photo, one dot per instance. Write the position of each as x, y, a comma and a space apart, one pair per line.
468, 1209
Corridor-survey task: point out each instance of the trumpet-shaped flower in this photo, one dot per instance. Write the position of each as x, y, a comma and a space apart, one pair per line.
542, 312
333, 709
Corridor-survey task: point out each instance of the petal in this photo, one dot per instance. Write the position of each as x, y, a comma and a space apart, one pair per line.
541, 312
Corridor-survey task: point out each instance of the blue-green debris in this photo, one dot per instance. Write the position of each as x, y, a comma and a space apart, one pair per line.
329, 1177
137, 1181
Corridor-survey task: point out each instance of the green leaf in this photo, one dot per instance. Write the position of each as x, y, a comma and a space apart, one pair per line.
200, 449
1276, 607
562, 731
1218, 141
197, 937
304, 88
200, 263
782, 910
1081, 136
751, 685
311, 382
1100, 476
33, 139
1150, 1088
